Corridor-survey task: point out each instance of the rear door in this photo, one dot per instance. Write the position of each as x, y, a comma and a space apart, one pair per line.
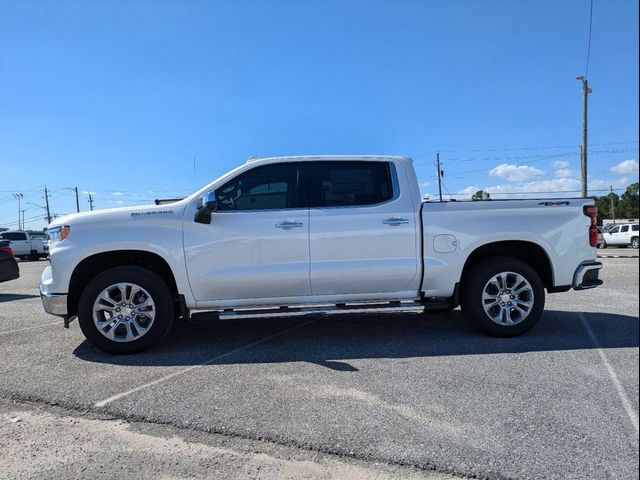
623, 237
362, 228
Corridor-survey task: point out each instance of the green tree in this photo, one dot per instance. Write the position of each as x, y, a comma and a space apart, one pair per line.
628, 207
604, 206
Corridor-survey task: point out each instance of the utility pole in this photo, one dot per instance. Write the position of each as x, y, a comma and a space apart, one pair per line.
440, 172
613, 211
18, 196
77, 201
23, 227
46, 199
90, 201
583, 150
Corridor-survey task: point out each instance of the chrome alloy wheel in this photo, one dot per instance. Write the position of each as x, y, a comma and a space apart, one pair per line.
123, 312
507, 298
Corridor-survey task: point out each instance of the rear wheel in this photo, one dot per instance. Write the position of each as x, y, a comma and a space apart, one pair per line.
125, 310
503, 297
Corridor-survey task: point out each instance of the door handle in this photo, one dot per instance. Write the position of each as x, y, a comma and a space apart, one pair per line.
289, 225
394, 221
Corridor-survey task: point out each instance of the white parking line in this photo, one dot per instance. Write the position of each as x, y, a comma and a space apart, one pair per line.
624, 398
113, 398
30, 328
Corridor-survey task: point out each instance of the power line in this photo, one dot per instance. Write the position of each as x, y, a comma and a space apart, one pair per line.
586, 70
515, 149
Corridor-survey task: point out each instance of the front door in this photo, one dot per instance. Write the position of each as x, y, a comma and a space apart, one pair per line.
257, 244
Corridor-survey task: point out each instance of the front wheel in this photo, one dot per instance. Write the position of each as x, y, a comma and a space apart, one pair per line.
503, 297
125, 310
634, 243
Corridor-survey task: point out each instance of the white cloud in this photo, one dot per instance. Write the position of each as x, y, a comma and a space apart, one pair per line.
515, 173
425, 184
117, 194
560, 164
559, 187
626, 166
89, 192
565, 173
470, 190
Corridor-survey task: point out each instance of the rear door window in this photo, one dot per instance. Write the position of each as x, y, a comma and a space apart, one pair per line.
624, 229
345, 184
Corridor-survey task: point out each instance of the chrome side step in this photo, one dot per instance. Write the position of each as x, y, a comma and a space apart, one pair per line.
286, 311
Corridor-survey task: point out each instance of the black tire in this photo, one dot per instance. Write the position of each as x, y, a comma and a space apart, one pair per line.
34, 256
634, 243
152, 283
471, 296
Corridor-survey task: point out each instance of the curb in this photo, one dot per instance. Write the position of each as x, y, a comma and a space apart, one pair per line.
618, 256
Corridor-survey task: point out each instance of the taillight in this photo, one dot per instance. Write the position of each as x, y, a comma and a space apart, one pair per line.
6, 250
591, 211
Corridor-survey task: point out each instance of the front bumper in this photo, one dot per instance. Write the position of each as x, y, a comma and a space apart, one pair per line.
54, 303
586, 276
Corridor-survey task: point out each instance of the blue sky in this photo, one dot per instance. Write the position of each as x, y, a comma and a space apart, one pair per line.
118, 97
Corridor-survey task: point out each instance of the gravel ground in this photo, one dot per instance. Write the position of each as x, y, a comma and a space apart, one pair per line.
366, 396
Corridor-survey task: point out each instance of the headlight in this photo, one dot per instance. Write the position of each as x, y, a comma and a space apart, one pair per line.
57, 234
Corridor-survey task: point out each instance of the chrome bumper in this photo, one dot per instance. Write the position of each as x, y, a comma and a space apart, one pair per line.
54, 303
586, 276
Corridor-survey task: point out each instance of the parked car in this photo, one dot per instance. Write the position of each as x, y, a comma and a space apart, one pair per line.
601, 243
623, 235
27, 245
292, 235
8, 266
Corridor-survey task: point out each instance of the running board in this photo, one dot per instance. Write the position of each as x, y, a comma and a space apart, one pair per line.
321, 309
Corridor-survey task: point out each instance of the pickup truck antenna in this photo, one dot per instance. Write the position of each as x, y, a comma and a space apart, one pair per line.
440, 173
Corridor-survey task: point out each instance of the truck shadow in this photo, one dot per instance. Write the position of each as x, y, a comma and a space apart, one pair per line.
333, 341
10, 297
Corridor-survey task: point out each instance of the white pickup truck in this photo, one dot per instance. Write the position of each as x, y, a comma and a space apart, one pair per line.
26, 245
293, 235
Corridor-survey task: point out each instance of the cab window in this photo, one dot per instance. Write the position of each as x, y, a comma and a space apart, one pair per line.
267, 187
341, 184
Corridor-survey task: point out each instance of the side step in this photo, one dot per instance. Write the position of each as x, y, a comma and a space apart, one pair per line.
322, 309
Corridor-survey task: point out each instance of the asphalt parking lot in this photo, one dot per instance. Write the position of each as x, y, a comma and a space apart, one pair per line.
349, 396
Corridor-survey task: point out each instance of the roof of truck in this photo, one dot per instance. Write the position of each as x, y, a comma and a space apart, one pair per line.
316, 158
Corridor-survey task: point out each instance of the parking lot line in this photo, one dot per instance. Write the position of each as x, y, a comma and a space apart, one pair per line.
117, 396
622, 393
30, 328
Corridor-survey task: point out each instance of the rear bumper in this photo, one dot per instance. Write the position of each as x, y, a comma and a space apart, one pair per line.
9, 270
587, 276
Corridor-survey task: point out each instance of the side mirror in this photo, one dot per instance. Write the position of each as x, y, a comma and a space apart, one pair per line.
208, 204
209, 201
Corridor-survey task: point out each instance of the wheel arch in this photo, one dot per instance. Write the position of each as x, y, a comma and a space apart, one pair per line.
92, 265
529, 252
